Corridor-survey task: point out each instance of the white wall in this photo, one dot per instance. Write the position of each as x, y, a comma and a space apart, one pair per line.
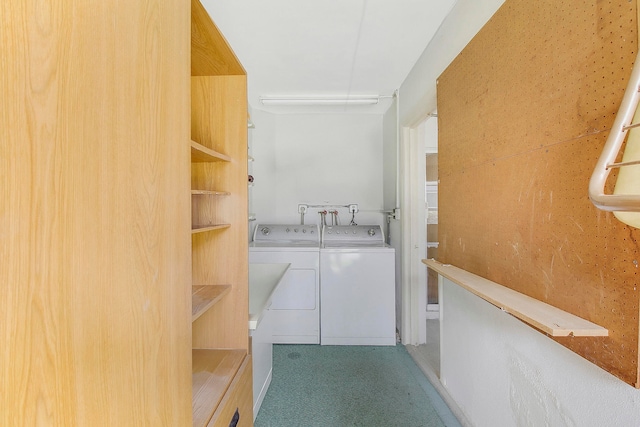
390, 157
418, 91
317, 159
499, 371
502, 372
417, 98
428, 131
261, 142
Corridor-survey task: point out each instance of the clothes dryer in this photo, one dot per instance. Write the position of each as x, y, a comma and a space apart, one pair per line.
295, 306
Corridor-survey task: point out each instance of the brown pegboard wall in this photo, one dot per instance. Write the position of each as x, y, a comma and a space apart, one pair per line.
546, 73
524, 112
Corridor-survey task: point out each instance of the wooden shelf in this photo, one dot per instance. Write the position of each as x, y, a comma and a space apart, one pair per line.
204, 297
209, 193
222, 373
201, 154
547, 318
205, 228
213, 371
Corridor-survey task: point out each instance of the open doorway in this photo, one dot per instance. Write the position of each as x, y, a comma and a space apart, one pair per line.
424, 205
431, 207
431, 349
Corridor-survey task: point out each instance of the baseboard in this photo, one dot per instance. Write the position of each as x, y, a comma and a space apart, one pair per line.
435, 382
263, 392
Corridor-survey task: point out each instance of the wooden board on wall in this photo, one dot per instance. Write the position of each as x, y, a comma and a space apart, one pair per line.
524, 112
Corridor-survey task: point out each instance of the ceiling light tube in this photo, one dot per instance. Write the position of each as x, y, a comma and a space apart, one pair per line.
313, 101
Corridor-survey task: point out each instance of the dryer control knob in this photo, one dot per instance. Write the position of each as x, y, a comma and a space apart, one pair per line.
372, 232
265, 231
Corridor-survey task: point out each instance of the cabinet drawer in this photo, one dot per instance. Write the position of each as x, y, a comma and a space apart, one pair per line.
239, 397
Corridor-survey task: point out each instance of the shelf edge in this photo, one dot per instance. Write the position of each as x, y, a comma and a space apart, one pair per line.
206, 228
209, 293
209, 193
543, 316
201, 154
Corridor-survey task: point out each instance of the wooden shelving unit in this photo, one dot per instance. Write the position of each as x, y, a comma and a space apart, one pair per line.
221, 364
124, 358
95, 231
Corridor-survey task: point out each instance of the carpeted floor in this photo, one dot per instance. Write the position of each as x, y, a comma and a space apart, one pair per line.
330, 386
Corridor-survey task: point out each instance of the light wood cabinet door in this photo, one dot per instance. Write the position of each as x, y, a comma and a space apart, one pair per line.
95, 264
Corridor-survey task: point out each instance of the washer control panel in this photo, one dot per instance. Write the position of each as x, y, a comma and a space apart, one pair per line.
286, 232
353, 234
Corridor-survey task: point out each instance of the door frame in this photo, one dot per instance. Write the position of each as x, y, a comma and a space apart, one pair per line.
413, 214
413, 149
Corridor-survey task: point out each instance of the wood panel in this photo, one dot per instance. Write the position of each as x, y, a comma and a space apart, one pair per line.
211, 55
523, 112
213, 372
208, 212
202, 154
205, 297
94, 237
239, 398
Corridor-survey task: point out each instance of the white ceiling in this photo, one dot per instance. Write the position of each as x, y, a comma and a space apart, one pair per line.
327, 48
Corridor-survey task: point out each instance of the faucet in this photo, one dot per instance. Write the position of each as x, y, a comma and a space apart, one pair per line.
334, 217
323, 218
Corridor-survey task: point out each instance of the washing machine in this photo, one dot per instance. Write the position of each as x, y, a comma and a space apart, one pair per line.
357, 277
295, 305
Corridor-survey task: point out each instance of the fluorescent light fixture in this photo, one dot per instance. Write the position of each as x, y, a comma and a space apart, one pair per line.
319, 100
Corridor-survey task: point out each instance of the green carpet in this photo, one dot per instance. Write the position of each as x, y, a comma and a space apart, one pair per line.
330, 386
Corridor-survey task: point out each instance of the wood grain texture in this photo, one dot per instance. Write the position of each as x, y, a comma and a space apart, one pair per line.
219, 254
205, 297
542, 316
202, 154
209, 193
213, 372
524, 112
211, 55
239, 398
94, 236
219, 122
